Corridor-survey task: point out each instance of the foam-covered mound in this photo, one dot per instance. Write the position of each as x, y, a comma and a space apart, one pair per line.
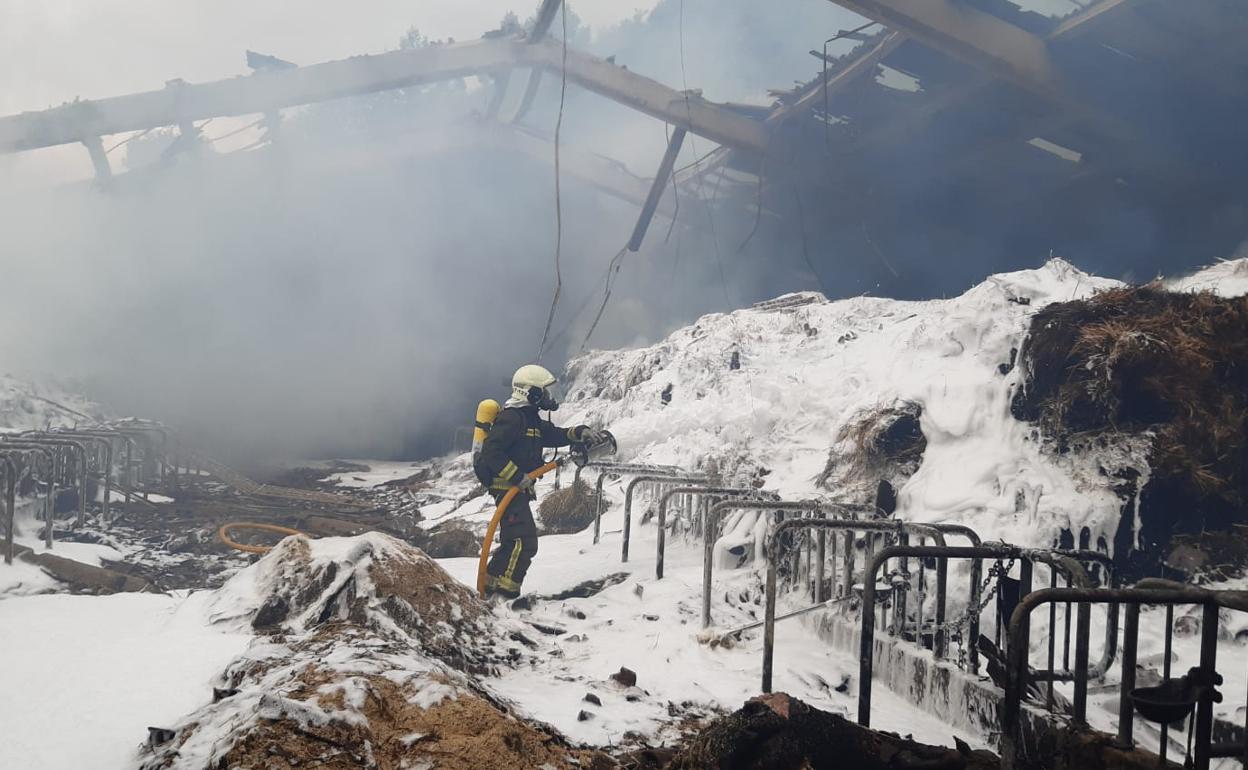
774, 394
373, 581
367, 657
808, 397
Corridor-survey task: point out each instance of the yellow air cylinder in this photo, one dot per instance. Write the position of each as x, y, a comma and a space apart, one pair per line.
487, 411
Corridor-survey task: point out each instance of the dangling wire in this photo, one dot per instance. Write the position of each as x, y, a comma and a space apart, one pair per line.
613, 269
563, 91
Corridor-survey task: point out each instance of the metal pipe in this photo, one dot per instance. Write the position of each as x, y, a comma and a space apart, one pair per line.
710, 535
1204, 706
820, 556
1048, 696
10, 501
661, 178
144, 427
1165, 677
769, 620
628, 500
1126, 711
50, 480
773, 539
686, 490
602, 477
37, 437
1024, 587
1148, 591
625, 468
940, 552
795, 613
106, 475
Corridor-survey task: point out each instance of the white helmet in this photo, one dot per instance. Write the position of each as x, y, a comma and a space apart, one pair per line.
532, 383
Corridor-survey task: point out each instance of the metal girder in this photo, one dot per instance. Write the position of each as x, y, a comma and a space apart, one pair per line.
971, 35
265, 92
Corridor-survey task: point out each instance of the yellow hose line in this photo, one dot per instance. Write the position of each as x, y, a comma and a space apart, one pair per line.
224, 534
498, 516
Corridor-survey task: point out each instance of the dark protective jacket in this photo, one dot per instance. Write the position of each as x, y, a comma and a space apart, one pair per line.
513, 447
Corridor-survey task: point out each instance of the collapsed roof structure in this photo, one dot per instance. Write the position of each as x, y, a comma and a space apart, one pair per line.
1113, 130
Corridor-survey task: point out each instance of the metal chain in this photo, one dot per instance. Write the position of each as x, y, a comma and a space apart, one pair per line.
953, 627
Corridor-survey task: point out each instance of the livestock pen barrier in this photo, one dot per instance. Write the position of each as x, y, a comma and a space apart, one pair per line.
1190, 697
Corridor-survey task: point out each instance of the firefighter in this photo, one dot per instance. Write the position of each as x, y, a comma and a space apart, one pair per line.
512, 449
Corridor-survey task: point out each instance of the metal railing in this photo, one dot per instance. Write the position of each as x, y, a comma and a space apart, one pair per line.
650, 480
942, 555
157, 454
1199, 693
883, 526
693, 490
48, 480
607, 470
711, 536
1103, 577
46, 439
105, 439
10, 502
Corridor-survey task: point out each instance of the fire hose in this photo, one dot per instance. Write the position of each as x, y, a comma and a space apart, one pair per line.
580, 457
224, 534
498, 516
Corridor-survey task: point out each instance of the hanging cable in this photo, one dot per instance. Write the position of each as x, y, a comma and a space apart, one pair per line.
613, 270
235, 132
129, 139
589, 296
563, 90
801, 224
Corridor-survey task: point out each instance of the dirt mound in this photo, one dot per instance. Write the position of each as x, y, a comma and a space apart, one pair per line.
569, 510
343, 698
374, 581
777, 732
367, 658
395, 725
1152, 362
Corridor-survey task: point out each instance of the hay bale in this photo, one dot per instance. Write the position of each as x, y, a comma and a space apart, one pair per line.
1146, 359
881, 444
568, 510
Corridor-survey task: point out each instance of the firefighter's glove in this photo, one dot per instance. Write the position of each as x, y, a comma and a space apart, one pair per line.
589, 436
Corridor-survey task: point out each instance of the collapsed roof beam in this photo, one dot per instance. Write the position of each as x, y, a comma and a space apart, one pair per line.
265, 92
970, 35
1008, 52
819, 90
545, 17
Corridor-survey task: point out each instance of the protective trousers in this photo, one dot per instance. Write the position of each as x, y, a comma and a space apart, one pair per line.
518, 544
